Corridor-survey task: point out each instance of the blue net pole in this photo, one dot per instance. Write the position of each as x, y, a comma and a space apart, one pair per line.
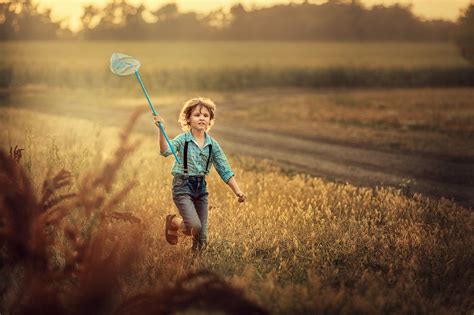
154, 113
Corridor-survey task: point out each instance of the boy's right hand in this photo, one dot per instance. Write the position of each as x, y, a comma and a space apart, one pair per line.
158, 119
241, 197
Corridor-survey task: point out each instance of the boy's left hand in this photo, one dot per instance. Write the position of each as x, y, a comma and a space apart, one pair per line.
241, 197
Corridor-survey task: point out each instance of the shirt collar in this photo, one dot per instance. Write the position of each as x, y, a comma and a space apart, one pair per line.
207, 138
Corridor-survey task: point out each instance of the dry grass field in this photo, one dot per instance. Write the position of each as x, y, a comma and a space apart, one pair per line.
298, 245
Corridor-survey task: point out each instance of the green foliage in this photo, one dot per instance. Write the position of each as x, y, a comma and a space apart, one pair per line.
21, 19
465, 38
279, 22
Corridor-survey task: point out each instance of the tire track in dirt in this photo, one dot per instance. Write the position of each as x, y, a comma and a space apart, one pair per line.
356, 165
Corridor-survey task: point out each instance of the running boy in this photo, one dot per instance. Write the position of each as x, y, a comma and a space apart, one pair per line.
197, 151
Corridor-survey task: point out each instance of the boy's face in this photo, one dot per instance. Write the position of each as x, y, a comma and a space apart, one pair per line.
200, 118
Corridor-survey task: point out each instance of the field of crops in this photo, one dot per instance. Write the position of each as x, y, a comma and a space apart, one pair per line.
298, 245
231, 65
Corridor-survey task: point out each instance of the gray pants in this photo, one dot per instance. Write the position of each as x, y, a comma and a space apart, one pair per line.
190, 196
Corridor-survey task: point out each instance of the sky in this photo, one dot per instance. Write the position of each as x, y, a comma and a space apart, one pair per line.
72, 9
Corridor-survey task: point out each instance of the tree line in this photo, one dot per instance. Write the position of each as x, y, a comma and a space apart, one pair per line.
332, 20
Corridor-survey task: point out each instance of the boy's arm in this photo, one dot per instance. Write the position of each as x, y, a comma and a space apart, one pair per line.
235, 188
224, 170
161, 138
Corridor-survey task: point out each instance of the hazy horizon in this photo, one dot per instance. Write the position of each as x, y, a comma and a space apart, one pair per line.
71, 11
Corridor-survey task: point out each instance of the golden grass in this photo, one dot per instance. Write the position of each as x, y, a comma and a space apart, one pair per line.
66, 254
298, 245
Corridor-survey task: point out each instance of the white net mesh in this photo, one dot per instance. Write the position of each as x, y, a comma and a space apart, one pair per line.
122, 64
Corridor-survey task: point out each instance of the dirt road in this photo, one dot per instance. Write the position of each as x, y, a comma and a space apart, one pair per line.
346, 162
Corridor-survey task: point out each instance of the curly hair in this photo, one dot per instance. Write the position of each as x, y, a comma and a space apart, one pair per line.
188, 108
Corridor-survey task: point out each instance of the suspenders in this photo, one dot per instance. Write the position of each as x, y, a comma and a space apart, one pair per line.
186, 158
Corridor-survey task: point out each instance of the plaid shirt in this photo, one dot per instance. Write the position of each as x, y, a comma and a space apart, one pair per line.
197, 157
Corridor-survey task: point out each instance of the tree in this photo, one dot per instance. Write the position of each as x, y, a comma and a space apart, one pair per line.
166, 12
21, 19
88, 16
218, 19
118, 19
330, 20
465, 37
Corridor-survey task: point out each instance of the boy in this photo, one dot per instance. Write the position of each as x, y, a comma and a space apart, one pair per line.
197, 151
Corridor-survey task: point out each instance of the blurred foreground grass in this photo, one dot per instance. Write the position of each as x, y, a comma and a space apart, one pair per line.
298, 245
